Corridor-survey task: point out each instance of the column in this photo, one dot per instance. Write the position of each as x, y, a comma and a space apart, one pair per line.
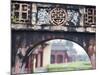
39, 60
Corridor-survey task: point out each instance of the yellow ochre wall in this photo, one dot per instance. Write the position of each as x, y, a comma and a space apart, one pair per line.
46, 55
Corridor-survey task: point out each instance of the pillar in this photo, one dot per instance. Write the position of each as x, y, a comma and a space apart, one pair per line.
46, 55
39, 60
92, 52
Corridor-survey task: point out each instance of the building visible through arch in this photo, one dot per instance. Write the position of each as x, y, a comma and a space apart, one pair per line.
57, 53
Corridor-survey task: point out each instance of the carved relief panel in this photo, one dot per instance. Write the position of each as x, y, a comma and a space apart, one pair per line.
42, 16
58, 16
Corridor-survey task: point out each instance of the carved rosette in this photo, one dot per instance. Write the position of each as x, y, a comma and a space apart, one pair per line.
58, 16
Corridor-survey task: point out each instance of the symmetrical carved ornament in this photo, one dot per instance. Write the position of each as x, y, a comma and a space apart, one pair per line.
58, 16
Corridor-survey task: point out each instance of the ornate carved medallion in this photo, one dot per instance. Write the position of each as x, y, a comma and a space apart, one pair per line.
58, 16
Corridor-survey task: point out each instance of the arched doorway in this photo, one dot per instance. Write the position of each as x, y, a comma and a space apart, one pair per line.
33, 39
58, 52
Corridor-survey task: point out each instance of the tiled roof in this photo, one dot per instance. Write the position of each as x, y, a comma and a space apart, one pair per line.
62, 46
58, 46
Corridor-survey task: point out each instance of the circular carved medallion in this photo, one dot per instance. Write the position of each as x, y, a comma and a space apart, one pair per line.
58, 16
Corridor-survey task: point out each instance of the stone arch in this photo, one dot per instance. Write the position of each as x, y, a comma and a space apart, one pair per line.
37, 37
32, 48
